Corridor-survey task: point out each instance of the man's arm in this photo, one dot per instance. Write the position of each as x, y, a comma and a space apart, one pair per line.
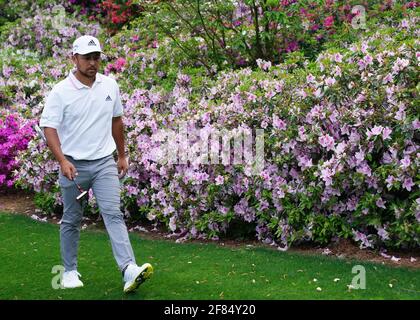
118, 135
67, 168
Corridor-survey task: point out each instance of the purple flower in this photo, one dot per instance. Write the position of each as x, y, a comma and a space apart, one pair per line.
399, 65
219, 180
326, 141
390, 180
132, 190
383, 234
330, 81
304, 162
263, 65
368, 59
408, 183
365, 242
386, 133
326, 174
380, 203
265, 175
405, 162
388, 78
302, 135
404, 23
7, 71
365, 170
376, 131
338, 57
278, 123
310, 78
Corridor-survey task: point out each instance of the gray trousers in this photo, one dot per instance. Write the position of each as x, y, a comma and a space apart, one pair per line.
102, 176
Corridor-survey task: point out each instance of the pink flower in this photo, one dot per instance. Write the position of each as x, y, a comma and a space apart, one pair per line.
292, 46
132, 190
360, 156
264, 124
375, 131
219, 180
304, 162
358, 236
386, 133
330, 81
365, 170
329, 21
302, 135
326, 141
265, 175
263, 65
383, 234
340, 148
310, 78
388, 78
390, 180
7, 71
368, 59
278, 123
404, 23
120, 63
362, 64
338, 57
405, 162
326, 174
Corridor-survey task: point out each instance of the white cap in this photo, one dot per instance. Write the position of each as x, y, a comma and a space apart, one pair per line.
86, 44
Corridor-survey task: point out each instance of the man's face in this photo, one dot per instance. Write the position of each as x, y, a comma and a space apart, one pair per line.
87, 64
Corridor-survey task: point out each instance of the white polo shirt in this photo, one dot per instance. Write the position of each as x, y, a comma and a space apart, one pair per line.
83, 116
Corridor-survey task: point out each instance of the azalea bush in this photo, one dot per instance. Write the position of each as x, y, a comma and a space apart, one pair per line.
15, 133
35, 55
13, 10
341, 148
48, 32
113, 14
341, 134
341, 143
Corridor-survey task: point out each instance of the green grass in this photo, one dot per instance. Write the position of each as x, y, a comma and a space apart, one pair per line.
29, 249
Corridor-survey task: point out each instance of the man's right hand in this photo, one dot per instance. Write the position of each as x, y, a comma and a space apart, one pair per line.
68, 169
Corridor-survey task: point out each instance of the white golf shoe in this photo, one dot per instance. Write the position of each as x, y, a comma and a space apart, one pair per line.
135, 276
71, 280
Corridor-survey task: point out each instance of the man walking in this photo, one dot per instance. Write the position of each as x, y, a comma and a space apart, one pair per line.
82, 122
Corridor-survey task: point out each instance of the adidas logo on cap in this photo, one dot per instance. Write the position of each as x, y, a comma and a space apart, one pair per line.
108, 98
91, 43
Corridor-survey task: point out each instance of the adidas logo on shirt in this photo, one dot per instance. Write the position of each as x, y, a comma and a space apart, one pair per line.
108, 98
91, 43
